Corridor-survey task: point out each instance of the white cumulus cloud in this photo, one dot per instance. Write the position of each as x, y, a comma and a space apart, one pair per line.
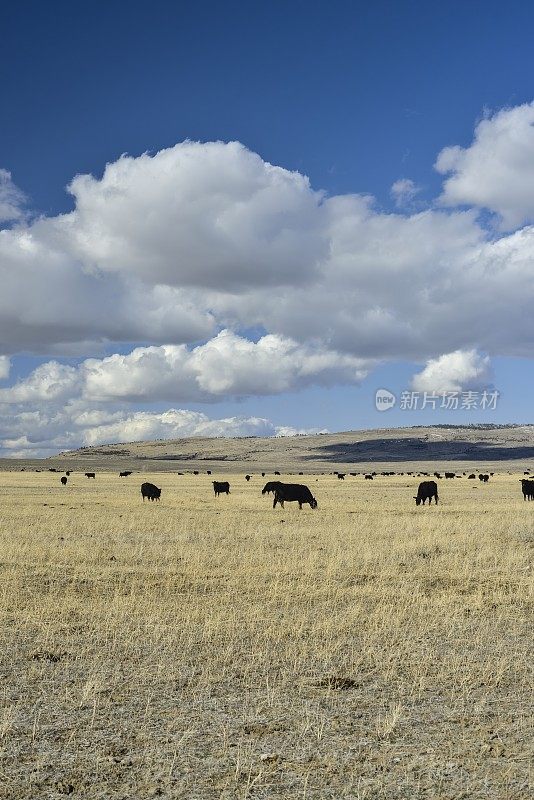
12, 199
212, 215
5, 367
404, 191
228, 365
174, 424
497, 170
171, 247
457, 371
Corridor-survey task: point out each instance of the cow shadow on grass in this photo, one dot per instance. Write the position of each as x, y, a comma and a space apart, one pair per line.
411, 449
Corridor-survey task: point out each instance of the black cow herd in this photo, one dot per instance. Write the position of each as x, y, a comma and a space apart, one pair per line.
283, 492
299, 493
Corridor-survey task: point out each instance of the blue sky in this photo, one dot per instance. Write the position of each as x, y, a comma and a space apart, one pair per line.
352, 94
355, 96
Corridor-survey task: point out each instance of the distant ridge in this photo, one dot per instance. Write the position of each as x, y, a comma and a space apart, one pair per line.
454, 445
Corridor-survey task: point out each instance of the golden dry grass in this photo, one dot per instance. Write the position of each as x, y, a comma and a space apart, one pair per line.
203, 648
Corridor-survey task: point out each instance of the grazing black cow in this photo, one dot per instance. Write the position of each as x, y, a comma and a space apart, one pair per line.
150, 491
426, 491
301, 473
527, 487
221, 487
353, 474
67, 473
471, 477
483, 478
52, 469
437, 475
195, 472
341, 476
368, 477
270, 486
293, 492
277, 473
90, 475
208, 472
124, 474
64, 480
247, 477
447, 474
263, 474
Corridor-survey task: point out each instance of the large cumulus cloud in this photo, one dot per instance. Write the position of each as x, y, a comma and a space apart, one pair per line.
210, 215
170, 248
228, 365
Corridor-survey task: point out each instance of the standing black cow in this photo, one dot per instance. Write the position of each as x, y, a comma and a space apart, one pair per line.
426, 491
150, 491
90, 474
447, 474
64, 480
368, 477
270, 486
527, 487
341, 476
293, 493
221, 487
247, 477
124, 474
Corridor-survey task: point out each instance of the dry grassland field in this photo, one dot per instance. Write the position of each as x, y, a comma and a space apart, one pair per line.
217, 648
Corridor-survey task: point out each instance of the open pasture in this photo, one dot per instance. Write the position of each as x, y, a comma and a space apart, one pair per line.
217, 648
